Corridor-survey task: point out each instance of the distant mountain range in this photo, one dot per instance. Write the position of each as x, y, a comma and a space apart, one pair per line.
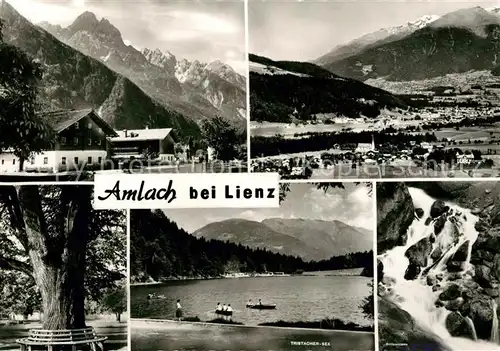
433, 46
308, 239
282, 90
382, 35
87, 64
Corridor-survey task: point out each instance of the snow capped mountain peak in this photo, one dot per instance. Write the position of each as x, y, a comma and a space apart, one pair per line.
423, 21
218, 66
414, 25
159, 58
495, 10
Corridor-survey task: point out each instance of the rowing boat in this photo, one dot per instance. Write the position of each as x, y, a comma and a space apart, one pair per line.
262, 307
224, 313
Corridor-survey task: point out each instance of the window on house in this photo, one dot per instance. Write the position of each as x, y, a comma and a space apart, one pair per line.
45, 160
89, 126
76, 160
63, 160
75, 141
63, 140
90, 141
98, 142
99, 159
14, 161
89, 160
32, 161
77, 125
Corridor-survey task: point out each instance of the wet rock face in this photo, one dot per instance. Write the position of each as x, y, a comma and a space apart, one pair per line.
457, 326
380, 271
397, 326
479, 308
412, 271
418, 255
438, 208
483, 275
439, 224
462, 252
395, 213
419, 252
457, 261
452, 292
419, 212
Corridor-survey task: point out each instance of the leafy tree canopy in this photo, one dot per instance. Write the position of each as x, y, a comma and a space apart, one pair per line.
105, 256
21, 130
220, 135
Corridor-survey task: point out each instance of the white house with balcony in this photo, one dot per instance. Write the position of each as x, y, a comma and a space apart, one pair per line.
81, 139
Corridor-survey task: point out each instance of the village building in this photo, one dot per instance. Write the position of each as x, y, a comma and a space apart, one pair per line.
151, 144
81, 139
427, 146
364, 148
465, 159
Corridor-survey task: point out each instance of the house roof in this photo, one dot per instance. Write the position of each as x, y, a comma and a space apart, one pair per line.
59, 120
142, 134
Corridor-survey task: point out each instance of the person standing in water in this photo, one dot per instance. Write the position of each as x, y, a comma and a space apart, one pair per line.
230, 312
219, 307
178, 311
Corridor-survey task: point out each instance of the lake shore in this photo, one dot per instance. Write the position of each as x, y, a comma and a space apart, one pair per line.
338, 272
171, 335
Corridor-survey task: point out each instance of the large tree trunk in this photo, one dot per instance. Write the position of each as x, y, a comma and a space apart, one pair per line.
58, 254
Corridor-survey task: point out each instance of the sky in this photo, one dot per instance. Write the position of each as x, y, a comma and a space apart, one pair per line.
195, 30
306, 30
351, 205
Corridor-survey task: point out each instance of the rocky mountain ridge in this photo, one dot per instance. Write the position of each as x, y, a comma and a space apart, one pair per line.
193, 89
74, 80
460, 41
382, 35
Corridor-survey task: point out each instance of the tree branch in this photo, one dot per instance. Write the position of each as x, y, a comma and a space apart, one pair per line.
15, 265
35, 226
13, 206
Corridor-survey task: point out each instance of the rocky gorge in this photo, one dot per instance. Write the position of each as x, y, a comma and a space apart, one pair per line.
439, 264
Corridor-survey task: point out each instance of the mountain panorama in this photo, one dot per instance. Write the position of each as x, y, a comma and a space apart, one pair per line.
306, 238
346, 81
87, 64
460, 41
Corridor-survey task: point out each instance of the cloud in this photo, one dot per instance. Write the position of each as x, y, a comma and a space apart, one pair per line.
203, 22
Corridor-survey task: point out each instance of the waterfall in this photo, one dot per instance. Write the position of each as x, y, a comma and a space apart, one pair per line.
494, 327
418, 297
472, 327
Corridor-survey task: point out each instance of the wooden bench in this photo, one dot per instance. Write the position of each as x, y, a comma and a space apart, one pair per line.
59, 339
